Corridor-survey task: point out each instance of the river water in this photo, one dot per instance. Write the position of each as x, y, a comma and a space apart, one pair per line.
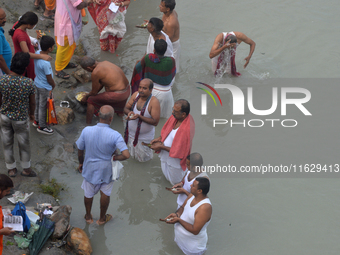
289, 213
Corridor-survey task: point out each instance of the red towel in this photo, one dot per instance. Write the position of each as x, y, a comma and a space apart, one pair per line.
181, 145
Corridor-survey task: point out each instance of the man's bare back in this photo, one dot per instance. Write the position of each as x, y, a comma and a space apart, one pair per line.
171, 25
110, 76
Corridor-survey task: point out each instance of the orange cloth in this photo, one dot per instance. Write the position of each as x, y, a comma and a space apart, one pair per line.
181, 145
50, 4
64, 54
83, 12
1, 226
51, 113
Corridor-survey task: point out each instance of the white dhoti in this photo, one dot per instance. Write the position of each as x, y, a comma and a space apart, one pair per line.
189, 243
171, 168
140, 152
151, 42
177, 51
146, 134
165, 98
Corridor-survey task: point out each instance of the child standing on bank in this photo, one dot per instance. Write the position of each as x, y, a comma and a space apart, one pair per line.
44, 85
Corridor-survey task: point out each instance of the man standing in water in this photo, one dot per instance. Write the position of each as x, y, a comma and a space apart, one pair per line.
161, 70
99, 143
171, 26
192, 219
175, 142
155, 27
183, 189
112, 78
223, 52
143, 113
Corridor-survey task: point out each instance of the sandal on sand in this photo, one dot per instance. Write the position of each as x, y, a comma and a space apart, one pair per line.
31, 174
12, 172
108, 217
61, 74
71, 65
90, 221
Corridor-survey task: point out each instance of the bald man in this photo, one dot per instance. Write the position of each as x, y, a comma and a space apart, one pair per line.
110, 77
100, 143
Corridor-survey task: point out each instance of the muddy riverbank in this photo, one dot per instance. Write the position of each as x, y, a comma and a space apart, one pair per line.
47, 151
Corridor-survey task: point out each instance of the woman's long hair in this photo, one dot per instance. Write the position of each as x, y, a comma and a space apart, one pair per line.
29, 18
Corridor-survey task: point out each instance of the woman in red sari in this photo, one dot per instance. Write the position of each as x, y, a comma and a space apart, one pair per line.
22, 41
111, 25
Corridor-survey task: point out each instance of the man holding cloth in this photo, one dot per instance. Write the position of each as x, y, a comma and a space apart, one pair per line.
223, 52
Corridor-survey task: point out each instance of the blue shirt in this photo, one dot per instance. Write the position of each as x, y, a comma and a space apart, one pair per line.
5, 49
99, 143
41, 69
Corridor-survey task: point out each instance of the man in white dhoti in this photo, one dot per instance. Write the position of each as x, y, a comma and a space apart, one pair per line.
155, 27
143, 113
161, 70
174, 144
192, 219
223, 52
171, 26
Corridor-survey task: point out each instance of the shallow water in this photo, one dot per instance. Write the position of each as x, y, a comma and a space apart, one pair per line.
292, 215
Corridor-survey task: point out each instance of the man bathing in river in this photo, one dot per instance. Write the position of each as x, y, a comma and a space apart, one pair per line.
223, 52
113, 79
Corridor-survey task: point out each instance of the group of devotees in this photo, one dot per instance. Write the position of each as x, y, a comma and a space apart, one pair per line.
142, 101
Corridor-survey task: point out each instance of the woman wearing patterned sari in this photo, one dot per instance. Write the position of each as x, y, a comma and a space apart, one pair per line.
111, 25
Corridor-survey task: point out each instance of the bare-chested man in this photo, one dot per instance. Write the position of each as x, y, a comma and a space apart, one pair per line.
171, 26
223, 52
113, 79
